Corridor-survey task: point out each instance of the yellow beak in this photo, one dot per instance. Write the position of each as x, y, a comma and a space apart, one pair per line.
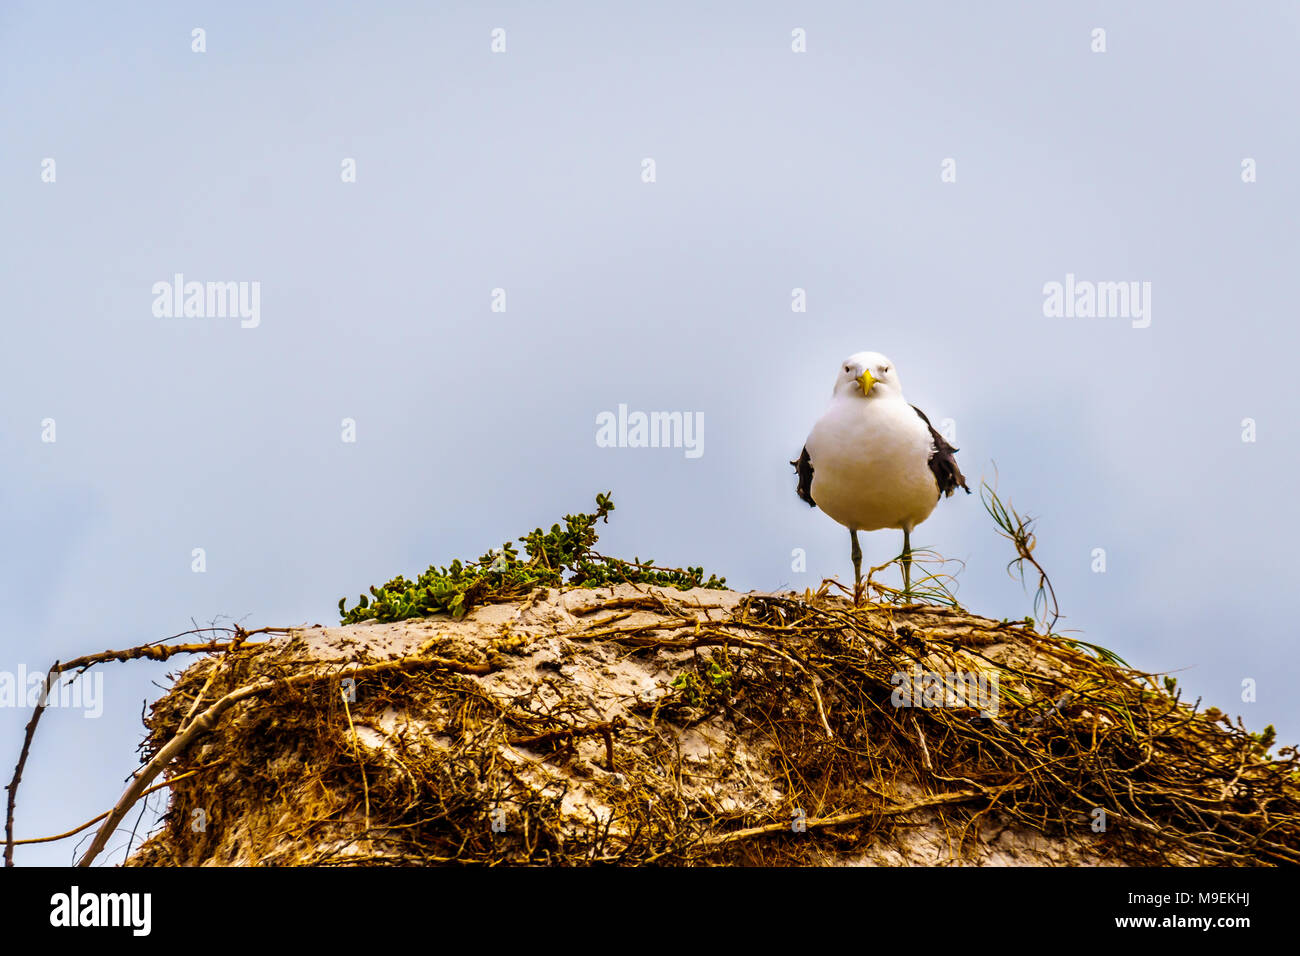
867, 381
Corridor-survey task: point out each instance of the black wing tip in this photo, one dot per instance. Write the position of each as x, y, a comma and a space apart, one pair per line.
946, 473
803, 466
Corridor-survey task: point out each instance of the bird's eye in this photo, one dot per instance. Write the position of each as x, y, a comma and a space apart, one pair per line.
847, 369
884, 370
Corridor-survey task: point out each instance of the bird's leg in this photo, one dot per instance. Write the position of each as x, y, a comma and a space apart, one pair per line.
907, 564
857, 568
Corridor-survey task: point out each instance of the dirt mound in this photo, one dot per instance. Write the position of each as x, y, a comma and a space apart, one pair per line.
638, 724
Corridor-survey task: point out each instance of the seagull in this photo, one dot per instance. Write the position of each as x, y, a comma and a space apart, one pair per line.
873, 461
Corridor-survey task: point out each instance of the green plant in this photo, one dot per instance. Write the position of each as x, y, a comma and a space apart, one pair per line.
1019, 530
1265, 739
693, 689
503, 574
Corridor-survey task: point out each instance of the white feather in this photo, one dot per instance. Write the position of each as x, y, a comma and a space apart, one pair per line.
870, 454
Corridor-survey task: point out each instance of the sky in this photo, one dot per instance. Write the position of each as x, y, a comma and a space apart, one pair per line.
643, 188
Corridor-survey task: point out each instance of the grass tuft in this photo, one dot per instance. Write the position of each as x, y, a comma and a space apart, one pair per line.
1019, 530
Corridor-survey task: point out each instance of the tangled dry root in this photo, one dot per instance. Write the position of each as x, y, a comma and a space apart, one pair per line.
768, 732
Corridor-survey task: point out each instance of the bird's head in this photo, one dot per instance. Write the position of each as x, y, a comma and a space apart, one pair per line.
868, 375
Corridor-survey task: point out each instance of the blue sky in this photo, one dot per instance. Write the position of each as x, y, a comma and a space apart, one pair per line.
522, 170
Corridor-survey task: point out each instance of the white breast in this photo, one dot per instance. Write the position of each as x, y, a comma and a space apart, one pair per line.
870, 461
